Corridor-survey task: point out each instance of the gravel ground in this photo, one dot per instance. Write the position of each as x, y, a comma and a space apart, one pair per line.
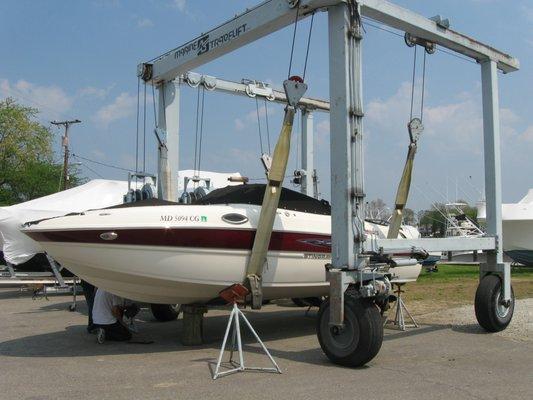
46, 354
463, 319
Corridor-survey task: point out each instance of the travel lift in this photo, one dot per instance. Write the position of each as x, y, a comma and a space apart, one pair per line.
350, 329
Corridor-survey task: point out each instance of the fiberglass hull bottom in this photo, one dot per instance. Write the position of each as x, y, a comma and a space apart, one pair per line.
171, 275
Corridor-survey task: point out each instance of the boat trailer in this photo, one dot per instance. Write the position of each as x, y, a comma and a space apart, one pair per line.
350, 329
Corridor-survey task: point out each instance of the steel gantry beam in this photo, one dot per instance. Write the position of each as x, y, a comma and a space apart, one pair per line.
273, 15
251, 88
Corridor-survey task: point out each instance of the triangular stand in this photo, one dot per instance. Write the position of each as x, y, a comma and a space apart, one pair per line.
399, 318
236, 345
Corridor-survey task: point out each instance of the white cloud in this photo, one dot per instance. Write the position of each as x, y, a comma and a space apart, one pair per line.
528, 12
144, 23
91, 91
322, 131
98, 154
527, 135
123, 106
250, 119
455, 125
179, 4
239, 125
52, 101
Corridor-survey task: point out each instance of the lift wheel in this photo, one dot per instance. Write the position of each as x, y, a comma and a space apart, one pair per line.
359, 340
491, 312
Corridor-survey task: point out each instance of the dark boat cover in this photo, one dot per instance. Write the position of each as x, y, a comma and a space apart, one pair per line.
253, 194
247, 194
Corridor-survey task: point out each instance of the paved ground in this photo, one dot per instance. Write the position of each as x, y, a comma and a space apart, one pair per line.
45, 353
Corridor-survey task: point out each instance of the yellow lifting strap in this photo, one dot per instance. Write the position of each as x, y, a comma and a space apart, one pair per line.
294, 90
415, 129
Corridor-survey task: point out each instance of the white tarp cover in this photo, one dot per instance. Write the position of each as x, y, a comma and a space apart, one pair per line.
19, 248
98, 193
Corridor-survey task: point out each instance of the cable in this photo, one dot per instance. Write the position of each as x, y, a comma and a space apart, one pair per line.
297, 158
460, 57
259, 125
153, 101
380, 27
268, 129
201, 131
308, 45
444, 50
92, 170
144, 130
101, 163
196, 128
293, 40
423, 88
137, 130
413, 85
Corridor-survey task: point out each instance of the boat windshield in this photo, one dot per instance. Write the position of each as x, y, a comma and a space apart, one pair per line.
253, 194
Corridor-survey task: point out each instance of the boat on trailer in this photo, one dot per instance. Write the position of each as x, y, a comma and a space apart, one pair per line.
162, 252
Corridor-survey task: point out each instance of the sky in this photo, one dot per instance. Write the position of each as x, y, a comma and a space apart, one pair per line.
79, 59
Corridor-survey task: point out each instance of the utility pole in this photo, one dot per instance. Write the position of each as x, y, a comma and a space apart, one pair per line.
66, 124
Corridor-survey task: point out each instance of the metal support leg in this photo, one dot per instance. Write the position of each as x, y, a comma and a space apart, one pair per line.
168, 157
493, 179
234, 317
55, 269
307, 153
11, 270
346, 122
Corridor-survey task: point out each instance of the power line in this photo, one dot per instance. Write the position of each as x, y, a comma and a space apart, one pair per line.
92, 170
18, 93
101, 163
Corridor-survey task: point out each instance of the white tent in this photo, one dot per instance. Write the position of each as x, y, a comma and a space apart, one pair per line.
98, 193
19, 248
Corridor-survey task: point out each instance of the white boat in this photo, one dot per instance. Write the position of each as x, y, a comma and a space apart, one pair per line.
460, 224
167, 253
517, 223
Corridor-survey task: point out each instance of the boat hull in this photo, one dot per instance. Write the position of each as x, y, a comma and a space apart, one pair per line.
188, 254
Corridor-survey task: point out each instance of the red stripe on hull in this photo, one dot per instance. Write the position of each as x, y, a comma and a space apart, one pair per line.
200, 238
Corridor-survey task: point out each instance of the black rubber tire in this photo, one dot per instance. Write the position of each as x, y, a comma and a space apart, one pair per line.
165, 312
489, 316
359, 341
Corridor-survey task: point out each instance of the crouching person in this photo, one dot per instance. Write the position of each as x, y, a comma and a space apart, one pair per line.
108, 311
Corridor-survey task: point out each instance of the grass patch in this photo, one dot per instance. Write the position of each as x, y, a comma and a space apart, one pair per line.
452, 272
455, 285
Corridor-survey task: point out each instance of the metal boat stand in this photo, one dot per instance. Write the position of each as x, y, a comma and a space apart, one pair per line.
236, 345
399, 318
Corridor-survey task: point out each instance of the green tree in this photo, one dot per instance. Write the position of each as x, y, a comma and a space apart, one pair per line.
27, 167
409, 217
433, 221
